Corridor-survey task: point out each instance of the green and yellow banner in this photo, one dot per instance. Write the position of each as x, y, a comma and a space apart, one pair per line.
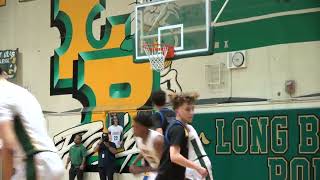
264, 145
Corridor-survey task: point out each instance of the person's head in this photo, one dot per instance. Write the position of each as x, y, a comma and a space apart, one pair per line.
1, 71
159, 98
183, 104
142, 122
106, 137
115, 120
77, 139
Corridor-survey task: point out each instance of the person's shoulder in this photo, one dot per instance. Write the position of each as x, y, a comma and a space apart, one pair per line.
155, 133
110, 128
155, 114
16, 88
10, 92
158, 140
72, 147
101, 145
138, 140
82, 146
167, 110
176, 127
171, 113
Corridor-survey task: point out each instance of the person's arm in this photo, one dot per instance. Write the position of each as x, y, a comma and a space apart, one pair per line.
134, 169
121, 138
139, 157
157, 122
7, 159
177, 139
9, 143
97, 148
158, 145
177, 158
84, 152
68, 161
8, 137
112, 148
7, 134
83, 163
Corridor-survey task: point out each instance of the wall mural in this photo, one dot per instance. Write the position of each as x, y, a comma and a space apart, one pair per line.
101, 74
91, 133
91, 69
169, 79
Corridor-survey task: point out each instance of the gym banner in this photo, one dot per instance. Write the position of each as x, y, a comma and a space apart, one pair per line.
264, 145
8, 62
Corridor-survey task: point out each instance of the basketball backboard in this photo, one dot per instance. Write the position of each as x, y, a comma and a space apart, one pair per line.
184, 24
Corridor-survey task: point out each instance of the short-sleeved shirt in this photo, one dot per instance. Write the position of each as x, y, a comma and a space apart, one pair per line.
106, 157
177, 135
77, 153
116, 132
157, 120
22, 108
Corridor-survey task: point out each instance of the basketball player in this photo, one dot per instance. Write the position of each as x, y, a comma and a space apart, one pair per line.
22, 128
150, 144
198, 155
175, 156
163, 115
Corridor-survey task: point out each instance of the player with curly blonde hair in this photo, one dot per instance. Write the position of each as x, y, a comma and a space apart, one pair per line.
175, 157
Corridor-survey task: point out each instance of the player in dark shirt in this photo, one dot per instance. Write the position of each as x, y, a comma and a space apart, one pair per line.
175, 157
164, 115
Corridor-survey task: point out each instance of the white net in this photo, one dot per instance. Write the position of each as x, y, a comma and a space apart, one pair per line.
157, 54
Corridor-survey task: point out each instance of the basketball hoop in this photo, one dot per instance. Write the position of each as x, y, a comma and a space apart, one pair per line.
157, 54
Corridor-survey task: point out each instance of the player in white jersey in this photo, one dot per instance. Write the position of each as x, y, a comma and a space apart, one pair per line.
198, 155
22, 128
116, 131
150, 144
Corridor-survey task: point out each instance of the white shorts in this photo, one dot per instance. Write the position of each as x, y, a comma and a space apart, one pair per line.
49, 166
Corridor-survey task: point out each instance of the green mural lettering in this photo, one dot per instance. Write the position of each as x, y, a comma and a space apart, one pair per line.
240, 136
278, 168
316, 168
300, 169
279, 134
309, 138
259, 135
222, 147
